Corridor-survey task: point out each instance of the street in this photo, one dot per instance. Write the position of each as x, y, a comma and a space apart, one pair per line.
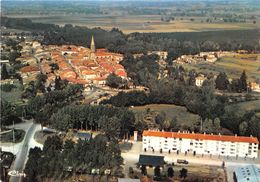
21, 150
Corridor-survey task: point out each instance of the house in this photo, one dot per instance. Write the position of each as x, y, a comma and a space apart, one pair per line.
249, 173
196, 143
127, 180
255, 87
29, 71
211, 58
83, 135
162, 54
199, 80
151, 160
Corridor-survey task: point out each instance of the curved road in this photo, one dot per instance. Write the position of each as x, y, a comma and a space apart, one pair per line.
21, 156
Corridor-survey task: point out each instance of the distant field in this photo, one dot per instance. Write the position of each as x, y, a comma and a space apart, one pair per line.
137, 23
183, 116
233, 66
250, 105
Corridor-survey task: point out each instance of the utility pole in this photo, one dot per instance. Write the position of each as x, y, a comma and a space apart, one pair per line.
13, 133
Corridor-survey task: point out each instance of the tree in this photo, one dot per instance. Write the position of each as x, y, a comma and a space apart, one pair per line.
110, 126
192, 77
254, 126
61, 122
54, 66
243, 82
6, 112
170, 172
243, 127
222, 81
4, 72
160, 118
115, 81
157, 171
33, 164
144, 170
183, 173
40, 81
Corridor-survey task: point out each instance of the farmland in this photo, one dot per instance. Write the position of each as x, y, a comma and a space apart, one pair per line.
233, 66
136, 23
136, 16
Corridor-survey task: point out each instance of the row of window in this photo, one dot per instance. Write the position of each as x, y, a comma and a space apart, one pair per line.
222, 142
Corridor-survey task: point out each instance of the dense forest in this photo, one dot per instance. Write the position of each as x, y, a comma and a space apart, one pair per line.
60, 160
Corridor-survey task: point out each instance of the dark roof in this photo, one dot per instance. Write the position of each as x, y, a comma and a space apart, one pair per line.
83, 135
151, 160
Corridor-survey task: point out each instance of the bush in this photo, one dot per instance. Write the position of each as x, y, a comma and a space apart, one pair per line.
7, 87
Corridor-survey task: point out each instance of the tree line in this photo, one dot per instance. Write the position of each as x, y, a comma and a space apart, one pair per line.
58, 160
202, 101
176, 43
112, 121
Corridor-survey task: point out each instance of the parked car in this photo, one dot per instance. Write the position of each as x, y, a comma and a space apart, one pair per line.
182, 161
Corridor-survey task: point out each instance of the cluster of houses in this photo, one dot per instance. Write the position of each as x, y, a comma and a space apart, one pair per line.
31, 54
82, 65
255, 87
75, 64
202, 57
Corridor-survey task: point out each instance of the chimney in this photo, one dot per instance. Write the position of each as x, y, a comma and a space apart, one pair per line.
235, 135
204, 133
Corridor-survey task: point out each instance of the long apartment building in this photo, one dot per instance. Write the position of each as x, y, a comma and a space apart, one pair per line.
184, 142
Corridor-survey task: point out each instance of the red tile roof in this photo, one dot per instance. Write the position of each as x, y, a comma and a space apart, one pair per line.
201, 136
28, 69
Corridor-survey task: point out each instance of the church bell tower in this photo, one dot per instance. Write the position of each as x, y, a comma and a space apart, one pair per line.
93, 49
92, 45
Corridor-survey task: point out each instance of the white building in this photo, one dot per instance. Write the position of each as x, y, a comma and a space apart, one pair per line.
199, 80
235, 146
249, 173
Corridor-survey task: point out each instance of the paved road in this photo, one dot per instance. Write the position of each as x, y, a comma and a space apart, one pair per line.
21, 156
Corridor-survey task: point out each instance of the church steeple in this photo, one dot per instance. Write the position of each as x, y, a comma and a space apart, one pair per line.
92, 45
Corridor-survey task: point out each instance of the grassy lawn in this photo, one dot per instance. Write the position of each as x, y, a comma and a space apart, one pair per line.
14, 96
183, 116
233, 66
8, 137
250, 105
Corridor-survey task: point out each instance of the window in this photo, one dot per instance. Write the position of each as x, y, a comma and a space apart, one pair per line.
180, 139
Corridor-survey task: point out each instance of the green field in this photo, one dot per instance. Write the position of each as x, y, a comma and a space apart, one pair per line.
233, 66
140, 16
250, 105
14, 96
182, 115
136, 23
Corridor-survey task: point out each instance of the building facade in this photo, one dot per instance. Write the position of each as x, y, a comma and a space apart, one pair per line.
223, 145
